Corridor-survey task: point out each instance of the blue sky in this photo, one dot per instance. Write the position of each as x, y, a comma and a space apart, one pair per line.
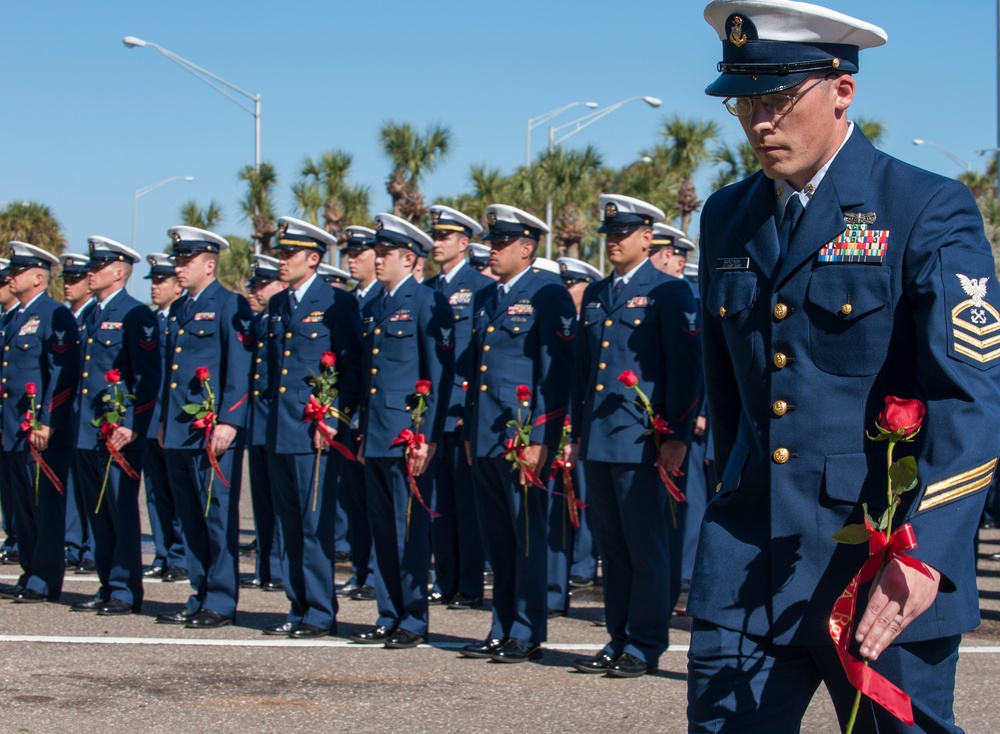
87, 121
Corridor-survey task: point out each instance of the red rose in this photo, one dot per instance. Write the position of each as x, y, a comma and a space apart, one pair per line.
423, 387
567, 421
329, 359
628, 378
31, 389
202, 374
901, 416
523, 394
113, 376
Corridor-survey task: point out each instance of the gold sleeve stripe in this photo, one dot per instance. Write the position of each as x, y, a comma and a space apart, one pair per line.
962, 478
983, 358
979, 344
954, 494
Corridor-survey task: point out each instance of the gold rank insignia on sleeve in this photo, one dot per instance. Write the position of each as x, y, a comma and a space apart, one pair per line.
974, 320
958, 486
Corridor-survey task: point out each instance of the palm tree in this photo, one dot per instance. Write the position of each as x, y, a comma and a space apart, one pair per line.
308, 200
194, 216
35, 224
570, 179
685, 151
342, 203
234, 264
737, 163
258, 203
412, 155
873, 129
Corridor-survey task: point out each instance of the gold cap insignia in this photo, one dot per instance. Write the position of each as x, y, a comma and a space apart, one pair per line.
436, 216
562, 267
175, 237
610, 210
736, 35
491, 218
282, 229
378, 224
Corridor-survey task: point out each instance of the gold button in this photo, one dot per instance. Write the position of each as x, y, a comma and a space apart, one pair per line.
373, 391
284, 372
107, 343
605, 344
174, 367
586, 323
313, 335
90, 341
399, 333
4, 364
780, 311
486, 347
780, 456
173, 385
258, 360
608, 322
599, 387
85, 374
457, 317
780, 360
377, 332
374, 370
602, 365
256, 393
489, 329
780, 407
260, 345
846, 309
375, 350
180, 331
722, 312
288, 335
483, 368
637, 322
718, 487
282, 388
482, 388
177, 349
85, 359
287, 353
517, 328
84, 391
256, 377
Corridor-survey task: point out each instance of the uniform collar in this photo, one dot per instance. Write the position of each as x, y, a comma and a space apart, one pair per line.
628, 276
300, 292
103, 304
448, 277
784, 191
26, 306
509, 285
76, 314
362, 292
202, 291
399, 285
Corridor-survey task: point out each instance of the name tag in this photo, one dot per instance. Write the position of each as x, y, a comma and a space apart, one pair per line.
732, 263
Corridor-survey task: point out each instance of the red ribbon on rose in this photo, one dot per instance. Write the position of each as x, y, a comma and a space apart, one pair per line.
573, 505
862, 677
31, 423
316, 411
409, 441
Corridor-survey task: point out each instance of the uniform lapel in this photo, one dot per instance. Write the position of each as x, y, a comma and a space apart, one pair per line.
636, 285
756, 227
511, 296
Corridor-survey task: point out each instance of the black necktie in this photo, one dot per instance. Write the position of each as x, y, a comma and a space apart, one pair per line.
793, 212
188, 308
616, 291
500, 295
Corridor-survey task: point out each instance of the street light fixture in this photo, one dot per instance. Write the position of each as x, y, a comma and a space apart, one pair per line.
145, 190
944, 151
579, 124
209, 78
534, 122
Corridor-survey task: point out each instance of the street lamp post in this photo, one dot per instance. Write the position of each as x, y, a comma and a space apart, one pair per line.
145, 190
579, 124
947, 153
534, 122
209, 78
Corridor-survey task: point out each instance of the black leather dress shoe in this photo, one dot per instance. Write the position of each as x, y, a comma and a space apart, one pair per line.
152, 572
181, 616
10, 557
345, 590
206, 619
248, 549
85, 568
627, 665
71, 564
117, 608
250, 582
89, 605
516, 651
994, 556
30, 596
436, 597
600, 621
341, 557
404, 640
174, 573
272, 586
555, 613
461, 601
364, 593
373, 636
303, 631
9, 592
482, 650
281, 630
600, 663
580, 582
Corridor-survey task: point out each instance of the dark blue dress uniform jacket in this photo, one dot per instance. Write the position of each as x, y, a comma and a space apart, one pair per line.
41, 346
123, 336
405, 340
800, 356
326, 320
654, 330
217, 335
460, 293
526, 340
260, 398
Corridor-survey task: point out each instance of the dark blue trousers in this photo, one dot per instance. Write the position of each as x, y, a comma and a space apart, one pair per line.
117, 534
79, 534
561, 540
265, 520
696, 489
402, 550
306, 535
458, 546
355, 501
744, 683
168, 536
513, 523
633, 525
7, 503
40, 519
585, 550
212, 541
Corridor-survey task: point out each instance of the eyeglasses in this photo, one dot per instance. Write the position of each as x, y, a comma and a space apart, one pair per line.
773, 104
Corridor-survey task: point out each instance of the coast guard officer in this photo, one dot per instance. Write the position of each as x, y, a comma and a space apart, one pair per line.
208, 328
79, 543
121, 335
479, 259
265, 282
404, 334
831, 279
523, 335
640, 320
458, 547
333, 276
307, 320
8, 307
666, 241
169, 560
41, 349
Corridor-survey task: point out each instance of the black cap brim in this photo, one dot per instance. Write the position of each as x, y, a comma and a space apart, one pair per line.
749, 85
